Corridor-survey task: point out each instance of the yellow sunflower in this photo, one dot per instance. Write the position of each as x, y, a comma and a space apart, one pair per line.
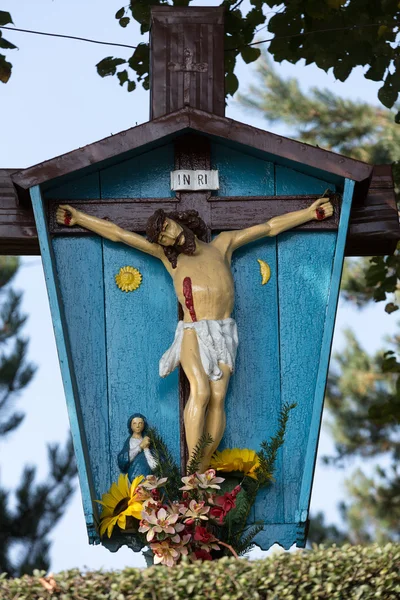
236, 459
119, 502
128, 279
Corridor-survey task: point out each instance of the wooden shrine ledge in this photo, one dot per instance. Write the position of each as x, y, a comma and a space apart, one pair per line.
374, 223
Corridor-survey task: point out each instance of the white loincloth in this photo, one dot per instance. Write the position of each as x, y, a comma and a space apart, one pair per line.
218, 342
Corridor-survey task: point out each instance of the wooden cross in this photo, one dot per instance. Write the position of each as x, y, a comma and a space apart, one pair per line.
192, 152
188, 67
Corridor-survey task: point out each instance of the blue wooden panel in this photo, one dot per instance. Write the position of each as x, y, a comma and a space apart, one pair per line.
67, 371
145, 176
305, 265
290, 182
86, 186
79, 263
140, 326
241, 174
310, 456
253, 400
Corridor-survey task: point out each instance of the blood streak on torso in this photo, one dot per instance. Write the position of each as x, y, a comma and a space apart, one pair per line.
188, 293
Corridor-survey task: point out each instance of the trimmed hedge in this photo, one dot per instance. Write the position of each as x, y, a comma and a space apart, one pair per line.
347, 572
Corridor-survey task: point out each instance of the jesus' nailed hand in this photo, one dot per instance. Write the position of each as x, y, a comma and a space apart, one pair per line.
206, 340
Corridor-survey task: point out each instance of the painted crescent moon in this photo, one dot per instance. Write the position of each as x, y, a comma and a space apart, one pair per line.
264, 270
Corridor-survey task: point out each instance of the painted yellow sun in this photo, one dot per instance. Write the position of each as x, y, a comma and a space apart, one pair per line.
128, 279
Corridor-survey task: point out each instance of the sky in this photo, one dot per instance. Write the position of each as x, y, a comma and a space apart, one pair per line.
55, 102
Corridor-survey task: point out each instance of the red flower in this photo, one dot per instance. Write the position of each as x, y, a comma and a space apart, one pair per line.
202, 555
218, 513
202, 535
228, 500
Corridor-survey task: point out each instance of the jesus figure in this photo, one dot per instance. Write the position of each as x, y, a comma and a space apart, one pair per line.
206, 340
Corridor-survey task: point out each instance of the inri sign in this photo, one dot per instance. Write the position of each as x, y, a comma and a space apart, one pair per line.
194, 180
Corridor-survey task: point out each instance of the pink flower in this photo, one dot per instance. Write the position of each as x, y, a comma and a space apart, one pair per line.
181, 545
208, 480
160, 522
164, 553
196, 510
191, 483
152, 482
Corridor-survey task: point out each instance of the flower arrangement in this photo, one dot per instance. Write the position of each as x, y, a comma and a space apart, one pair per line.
206, 517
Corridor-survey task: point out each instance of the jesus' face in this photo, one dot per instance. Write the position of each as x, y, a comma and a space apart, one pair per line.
171, 233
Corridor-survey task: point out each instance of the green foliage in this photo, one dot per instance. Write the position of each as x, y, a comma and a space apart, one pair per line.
342, 573
333, 34
28, 516
194, 463
237, 532
166, 465
342, 36
269, 450
5, 66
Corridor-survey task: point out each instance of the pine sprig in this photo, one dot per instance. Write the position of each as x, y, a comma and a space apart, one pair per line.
166, 465
194, 463
269, 449
246, 542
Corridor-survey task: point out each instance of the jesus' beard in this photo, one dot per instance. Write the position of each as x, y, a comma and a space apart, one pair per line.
187, 247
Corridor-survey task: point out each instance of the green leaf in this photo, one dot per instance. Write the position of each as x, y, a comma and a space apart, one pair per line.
377, 69
5, 69
124, 21
108, 66
5, 44
397, 118
131, 86
122, 76
387, 95
391, 307
5, 18
120, 13
250, 54
342, 70
231, 84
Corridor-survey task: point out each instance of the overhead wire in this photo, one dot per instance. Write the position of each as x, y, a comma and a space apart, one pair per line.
68, 37
276, 37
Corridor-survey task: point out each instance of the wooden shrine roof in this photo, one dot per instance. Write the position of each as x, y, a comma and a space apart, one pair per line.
199, 121
374, 225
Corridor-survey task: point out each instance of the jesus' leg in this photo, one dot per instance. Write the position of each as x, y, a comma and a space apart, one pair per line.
196, 407
216, 418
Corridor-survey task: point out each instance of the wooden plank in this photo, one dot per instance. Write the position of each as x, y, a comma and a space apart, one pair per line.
79, 264
140, 325
128, 214
239, 213
304, 269
253, 399
67, 371
324, 356
241, 174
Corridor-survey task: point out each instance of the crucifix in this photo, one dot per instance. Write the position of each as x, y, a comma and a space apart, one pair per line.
206, 338
187, 67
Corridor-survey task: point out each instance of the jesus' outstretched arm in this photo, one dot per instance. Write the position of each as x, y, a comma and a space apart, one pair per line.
319, 210
67, 215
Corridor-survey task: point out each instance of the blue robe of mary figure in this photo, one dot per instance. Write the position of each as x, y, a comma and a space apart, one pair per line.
135, 457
